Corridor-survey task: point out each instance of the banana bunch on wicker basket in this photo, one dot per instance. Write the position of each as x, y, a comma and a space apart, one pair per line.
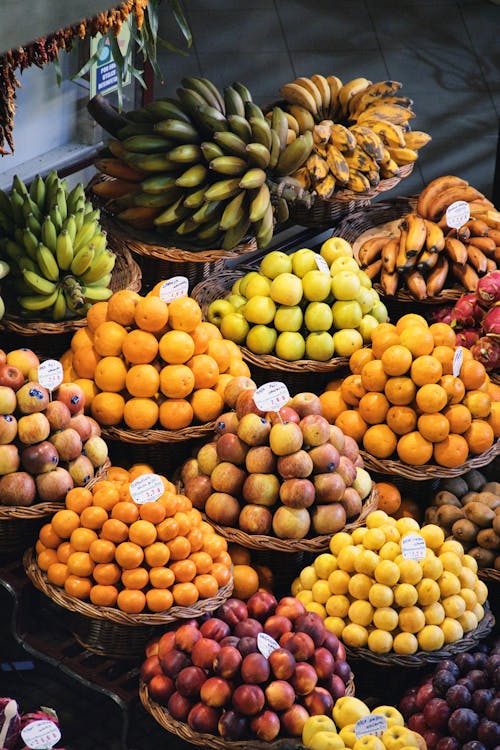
207, 166
361, 131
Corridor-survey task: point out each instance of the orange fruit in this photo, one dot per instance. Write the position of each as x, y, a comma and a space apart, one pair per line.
410, 319
380, 441
110, 374
200, 338
48, 536
383, 336
96, 315
332, 404
239, 367
139, 347
63, 523
452, 451
443, 334
46, 558
117, 474
175, 414
479, 436
176, 381
205, 370
352, 423
176, 347
214, 544
494, 391
454, 388
167, 529
135, 578
93, 517
222, 382
138, 470
418, 339
142, 381
445, 355
414, 449
478, 403
142, 532
161, 577
84, 361
207, 585
373, 376
220, 351
102, 551
473, 374
157, 554
125, 511
151, 314
78, 586
400, 391
121, 306
209, 329
373, 407
246, 581
107, 408
108, 338
494, 418
64, 551
221, 573
107, 574
396, 360
183, 570
359, 358
78, 498
82, 338
81, 539
132, 601
89, 389
106, 495
114, 530
80, 564
433, 427
129, 555
352, 389
203, 561
184, 314
183, 523
152, 512
57, 573
140, 413
401, 419
459, 418
388, 497
185, 594
195, 539
179, 547
431, 398
207, 404
103, 596
159, 600
426, 369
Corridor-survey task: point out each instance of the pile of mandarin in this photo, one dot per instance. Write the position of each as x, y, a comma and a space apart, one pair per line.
402, 399
145, 362
108, 549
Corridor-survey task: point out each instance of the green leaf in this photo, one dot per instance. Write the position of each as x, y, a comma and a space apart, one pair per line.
58, 69
93, 59
182, 23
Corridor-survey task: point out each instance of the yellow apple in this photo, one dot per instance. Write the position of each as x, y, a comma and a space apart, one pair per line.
348, 709
290, 346
259, 309
392, 715
319, 346
303, 260
314, 724
286, 289
316, 285
261, 339
288, 318
335, 247
274, 263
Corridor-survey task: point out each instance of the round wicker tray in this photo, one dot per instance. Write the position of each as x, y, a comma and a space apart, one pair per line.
428, 471
150, 437
184, 732
423, 658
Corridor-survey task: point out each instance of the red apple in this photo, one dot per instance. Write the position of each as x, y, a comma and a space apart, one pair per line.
255, 668
186, 637
246, 405
248, 627
189, 681
230, 448
179, 706
32, 397
323, 662
204, 652
215, 629
235, 387
149, 668
172, 662
58, 414
227, 422
282, 663
248, 700
293, 720
312, 624
166, 643
11, 376
276, 625
285, 414
280, 695
203, 718
261, 605
319, 701
216, 692
72, 395
161, 688
232, 725
232, 611
316, 429
290, 607
304, 679
24, 359
266, 726
227, 662
301, 645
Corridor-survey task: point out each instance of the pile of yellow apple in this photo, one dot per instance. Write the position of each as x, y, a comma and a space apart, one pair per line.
353, 725
393, 586
306, 304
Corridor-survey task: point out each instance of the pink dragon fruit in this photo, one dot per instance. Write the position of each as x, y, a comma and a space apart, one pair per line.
491, 322
466, 312
487, 351
467, 337
488, 288
10, 723
443, 315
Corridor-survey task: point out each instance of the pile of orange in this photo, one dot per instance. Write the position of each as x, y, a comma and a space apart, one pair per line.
402, 399
108, 549
146, 363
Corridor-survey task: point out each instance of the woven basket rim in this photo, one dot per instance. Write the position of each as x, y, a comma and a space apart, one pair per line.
23, 327
116, 616
149, 437
182, 730
489, 574
429, 471
422, 658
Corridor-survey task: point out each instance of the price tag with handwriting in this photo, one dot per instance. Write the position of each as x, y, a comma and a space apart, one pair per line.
50, 374
266, 644
457, 214
271, 396
322, 264
42, 734
147, 488
373, 724
413, 547
174, 288
458, 358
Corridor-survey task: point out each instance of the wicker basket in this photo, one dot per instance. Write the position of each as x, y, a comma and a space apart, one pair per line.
302, 374
428, 471
50, 339
185, 733
489, 575
109, 631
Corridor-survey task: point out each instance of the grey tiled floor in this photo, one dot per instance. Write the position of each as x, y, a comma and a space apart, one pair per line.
445, 52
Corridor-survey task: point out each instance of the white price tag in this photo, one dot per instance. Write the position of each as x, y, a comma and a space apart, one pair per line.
322, 264
50, 374
266, 644
41, 734
373, 724
457, 214
458, 358
413, 547
271, 396
146, 489
174, 288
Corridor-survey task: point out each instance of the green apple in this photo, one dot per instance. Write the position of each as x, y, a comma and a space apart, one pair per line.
286, 289
364, 279
318, 316
217, 310
258, 285
290, 346
234, 327
316, 285
346, 314
274, 263
365, 299
303, 260
319, 346
288, 318
335, 247
346, 285
344, 263
368, 323
379, 311
237, 300
259, 309
244, 281
261, 339
347, 342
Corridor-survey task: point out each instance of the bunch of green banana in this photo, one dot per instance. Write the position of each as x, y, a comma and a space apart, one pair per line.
204, 166
55, 247
361, 131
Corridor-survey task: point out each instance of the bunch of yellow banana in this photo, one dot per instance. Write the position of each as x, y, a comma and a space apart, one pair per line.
203, 166
55, 246
361, 131
423, 256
